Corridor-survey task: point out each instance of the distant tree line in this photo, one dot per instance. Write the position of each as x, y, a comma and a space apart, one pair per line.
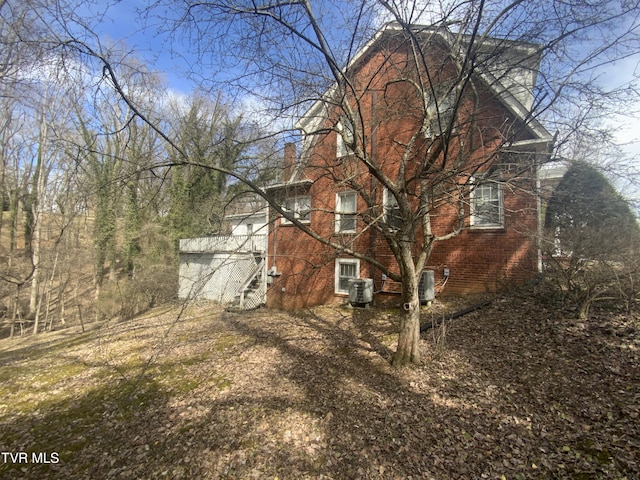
93, 199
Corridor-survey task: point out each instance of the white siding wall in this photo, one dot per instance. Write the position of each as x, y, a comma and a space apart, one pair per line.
258, 225
258, 222
216, 267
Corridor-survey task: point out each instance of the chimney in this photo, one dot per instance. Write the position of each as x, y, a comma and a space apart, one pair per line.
289, 161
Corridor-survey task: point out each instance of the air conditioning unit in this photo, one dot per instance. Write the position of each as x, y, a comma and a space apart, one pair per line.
360, 292
426, 287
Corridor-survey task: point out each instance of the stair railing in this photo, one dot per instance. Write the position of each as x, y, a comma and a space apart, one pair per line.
243, 287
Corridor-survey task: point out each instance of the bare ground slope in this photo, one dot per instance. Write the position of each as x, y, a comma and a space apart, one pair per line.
520, 392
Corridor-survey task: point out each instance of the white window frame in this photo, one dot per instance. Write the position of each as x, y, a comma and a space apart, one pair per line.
390, 203
337, 277
345, 136
480, 186
442, 113
294, 204
341, 214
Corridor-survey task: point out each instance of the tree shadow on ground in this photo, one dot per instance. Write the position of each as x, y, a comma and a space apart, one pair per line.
312, 395
374, 422
323, 403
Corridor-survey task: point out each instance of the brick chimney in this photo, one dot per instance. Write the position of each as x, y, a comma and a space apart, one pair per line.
289, 161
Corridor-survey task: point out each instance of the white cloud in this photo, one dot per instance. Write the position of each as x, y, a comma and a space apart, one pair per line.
424, 12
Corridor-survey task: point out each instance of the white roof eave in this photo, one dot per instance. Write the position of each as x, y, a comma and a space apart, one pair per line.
515, 107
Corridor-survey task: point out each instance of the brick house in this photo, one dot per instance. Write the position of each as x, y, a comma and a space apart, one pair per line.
482, 181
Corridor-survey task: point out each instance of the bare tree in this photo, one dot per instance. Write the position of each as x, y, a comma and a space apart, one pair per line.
292, 55
19, 37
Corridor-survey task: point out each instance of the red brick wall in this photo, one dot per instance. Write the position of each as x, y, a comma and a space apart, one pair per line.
478, 260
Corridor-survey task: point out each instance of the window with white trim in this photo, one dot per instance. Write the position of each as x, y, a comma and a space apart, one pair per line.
346, 269
345, 137
391, 210
441, 113
299, 207
487, 205
346, 208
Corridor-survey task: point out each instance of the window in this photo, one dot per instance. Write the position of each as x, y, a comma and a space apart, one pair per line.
299, 207
303, 209
442, 113
345, 137
391, 210
487, 205
249, 229
346, 269
346, 203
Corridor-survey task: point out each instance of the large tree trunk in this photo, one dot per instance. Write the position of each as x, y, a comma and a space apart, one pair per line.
408, 350
14, 314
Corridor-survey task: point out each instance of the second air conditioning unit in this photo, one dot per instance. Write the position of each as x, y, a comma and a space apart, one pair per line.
360, 292
426, 287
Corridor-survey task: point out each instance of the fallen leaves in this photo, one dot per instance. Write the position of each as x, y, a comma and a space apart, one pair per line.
518, 392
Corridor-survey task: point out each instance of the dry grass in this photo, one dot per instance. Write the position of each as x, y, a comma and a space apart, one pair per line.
517, 391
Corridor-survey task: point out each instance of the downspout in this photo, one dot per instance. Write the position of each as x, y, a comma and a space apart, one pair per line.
373, 236
549, 150
539, 217
275, 243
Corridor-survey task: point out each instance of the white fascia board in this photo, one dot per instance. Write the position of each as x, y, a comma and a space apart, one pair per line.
553, 171
514, 105
528, 145
310, 122
297, 183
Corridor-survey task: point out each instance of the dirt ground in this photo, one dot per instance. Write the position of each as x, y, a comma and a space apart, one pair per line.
515, 390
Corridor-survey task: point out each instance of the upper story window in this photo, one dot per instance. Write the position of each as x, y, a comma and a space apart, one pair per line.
345, 137
392, 215
441, 111
487, 205
299, 207
346, 209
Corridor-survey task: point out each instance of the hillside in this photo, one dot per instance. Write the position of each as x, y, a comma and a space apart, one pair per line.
516, 390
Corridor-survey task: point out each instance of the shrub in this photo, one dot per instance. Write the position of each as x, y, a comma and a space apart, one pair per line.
592, 237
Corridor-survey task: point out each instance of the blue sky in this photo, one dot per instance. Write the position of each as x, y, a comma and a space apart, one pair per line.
122, 24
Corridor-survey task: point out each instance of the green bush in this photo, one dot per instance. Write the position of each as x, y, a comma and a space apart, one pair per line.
592, 239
